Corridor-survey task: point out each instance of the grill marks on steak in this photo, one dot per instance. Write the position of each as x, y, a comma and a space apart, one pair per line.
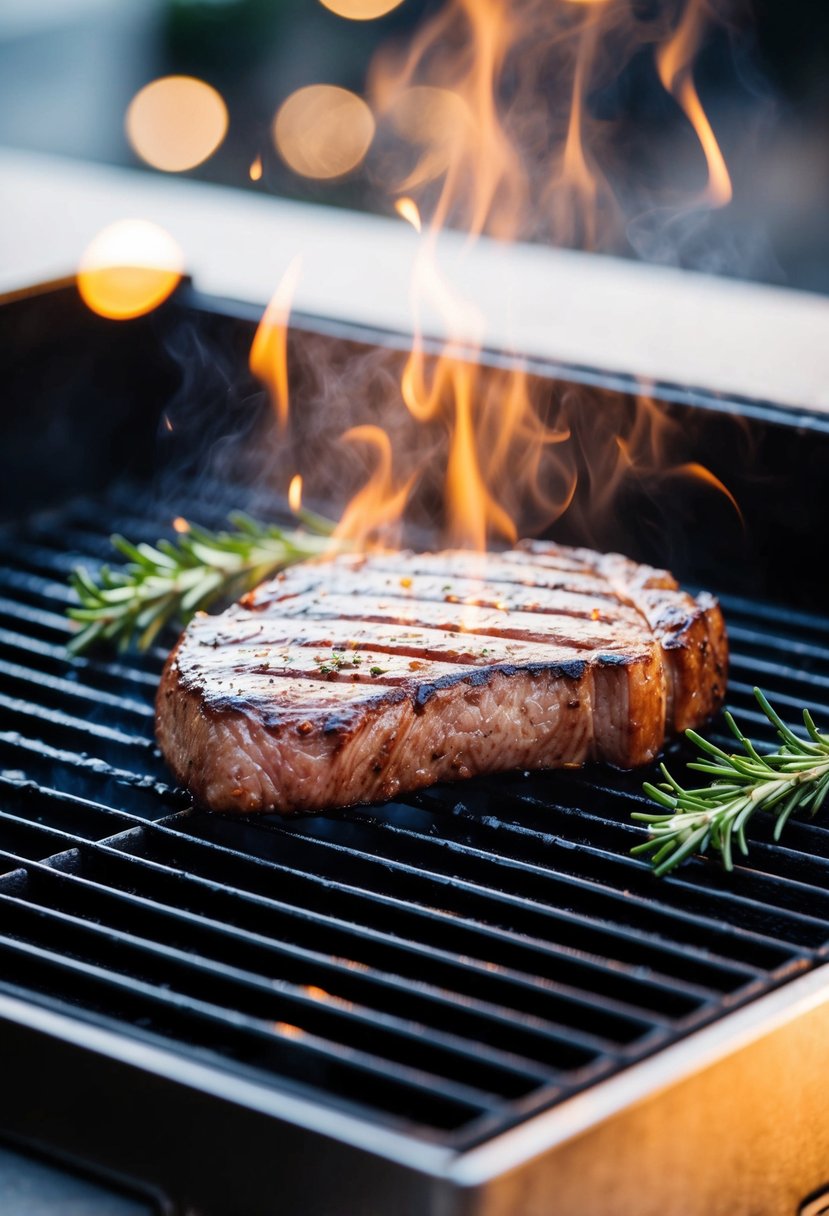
354, 679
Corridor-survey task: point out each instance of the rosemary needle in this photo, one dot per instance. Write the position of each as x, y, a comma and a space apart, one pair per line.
166, 583
795, 777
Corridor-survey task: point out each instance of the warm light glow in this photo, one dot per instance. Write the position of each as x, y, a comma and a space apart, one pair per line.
407, 209
129, 269
176, 122
287, 1030
323, 131
361, 10
180, 524
269, 351
674, 62
295, 493
315, 993
255, 170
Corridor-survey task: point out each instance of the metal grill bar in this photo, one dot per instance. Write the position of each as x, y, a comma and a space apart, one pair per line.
252, 1042
344, 981
449, 962
613, 1023
361, 945
273, 1002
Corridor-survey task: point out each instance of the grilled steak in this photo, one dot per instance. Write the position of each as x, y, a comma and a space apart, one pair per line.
354, 679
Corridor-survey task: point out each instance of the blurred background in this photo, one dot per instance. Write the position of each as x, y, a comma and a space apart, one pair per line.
69, 70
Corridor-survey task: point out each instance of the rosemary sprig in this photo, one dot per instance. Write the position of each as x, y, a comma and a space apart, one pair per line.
795, 777
167, 582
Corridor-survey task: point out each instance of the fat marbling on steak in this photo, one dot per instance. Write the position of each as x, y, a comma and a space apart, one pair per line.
355, 679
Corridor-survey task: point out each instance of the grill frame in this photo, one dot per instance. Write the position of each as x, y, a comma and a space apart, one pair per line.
584, 1154
383, 1164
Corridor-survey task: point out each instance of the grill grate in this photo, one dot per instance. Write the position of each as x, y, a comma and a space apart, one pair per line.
447, 964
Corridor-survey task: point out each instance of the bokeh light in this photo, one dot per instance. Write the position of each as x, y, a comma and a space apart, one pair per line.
323, 131
176, 122
129, 269
361, 10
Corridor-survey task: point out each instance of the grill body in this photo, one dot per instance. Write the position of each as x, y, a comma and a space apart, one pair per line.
470, 1000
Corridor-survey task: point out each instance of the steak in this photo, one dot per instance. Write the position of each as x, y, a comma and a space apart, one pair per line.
357, 678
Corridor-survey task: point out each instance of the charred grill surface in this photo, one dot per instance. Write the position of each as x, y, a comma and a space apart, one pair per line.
445, 965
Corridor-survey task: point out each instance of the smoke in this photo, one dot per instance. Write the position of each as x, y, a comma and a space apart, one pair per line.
581, 123
519, 121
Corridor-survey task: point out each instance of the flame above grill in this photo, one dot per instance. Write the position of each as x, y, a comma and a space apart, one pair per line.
502, 159
484, 124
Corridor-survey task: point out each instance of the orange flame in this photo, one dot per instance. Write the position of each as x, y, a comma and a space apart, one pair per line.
295, 494
491, 423
481, 149
269, 351
644, 449
575, 190
473, 510
255, 170
459, 129
700, 473
380, 504
674, 61
180, 524
407, 209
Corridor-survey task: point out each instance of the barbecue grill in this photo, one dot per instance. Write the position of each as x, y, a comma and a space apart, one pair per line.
472, 1000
